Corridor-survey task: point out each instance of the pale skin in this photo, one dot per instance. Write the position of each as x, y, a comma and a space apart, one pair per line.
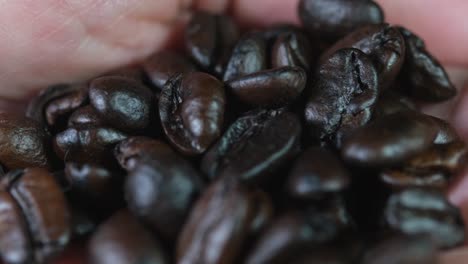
50, 41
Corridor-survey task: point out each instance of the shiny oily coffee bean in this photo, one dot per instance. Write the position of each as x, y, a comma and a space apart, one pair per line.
85, 116
425, 77
268, 138
389, 140
87, 145
218, 225
316, 172
36, 225
263, 212
321, 18
270, 88
24, 142
191, 109
391, 102
161, 189
62, 99
403, 249
123, 240
343, 93
130, 152
121, 102
446, 132
399, 179
419, 211
292, 49
291, 234
209, 39
94, 182
383, 43
249, 56
164, 65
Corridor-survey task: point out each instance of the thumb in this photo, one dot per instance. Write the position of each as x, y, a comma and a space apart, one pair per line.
49, 41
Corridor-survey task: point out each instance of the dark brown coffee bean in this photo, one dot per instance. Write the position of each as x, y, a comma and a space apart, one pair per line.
15, 244
209, 39
87, 145
120, 102
164, 65
161, 190
398, 179
263, 212
269, 138
130, 152
403, 249
343, 95
249, 56
291, 234
316, 172
335, 18
44, 209
24, 142
217, 226
191, 109
95, 183
292, 49
384, 45
85, 117
391, 102
446, 134
419, 211
424, 76
61, 107
270, 88
123, 240
389, 140
37, 106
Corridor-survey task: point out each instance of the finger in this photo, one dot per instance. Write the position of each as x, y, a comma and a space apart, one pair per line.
48, 41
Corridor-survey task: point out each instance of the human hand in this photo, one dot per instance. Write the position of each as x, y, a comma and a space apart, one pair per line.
57, 41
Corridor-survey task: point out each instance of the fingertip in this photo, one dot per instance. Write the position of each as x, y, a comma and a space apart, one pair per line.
265, 12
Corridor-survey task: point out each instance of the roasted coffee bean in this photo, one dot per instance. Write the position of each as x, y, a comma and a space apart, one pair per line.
399, 179
383, 43
391, 102
249, 56
292, 49
389, 140
269, 138
161, 189
343, 94
403, 249
164, 65
316, 172
43, 229
446, 133
85, 117
449, 158
263, 212
130, 152
419, 211
87, 145
95, 183
61, 107
423, 75
123, 240
270, 88
68, 97
293, 233
336, 18
24, 142
217, 226
191, 109
121, 102
209, 39
15, 244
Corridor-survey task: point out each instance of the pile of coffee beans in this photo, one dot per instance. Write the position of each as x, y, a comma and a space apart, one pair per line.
280, 145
